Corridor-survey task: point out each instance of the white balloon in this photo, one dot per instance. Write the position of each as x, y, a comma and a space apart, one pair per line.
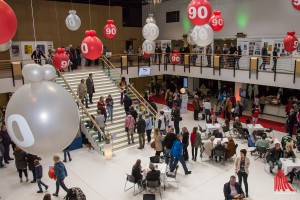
35, 73
5, 46
203, 35
42, 119
190, 39
150, 19
148, 47
150, 31
49, 71
73, 22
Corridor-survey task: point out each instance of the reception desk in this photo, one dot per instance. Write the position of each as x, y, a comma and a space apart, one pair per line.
275, 110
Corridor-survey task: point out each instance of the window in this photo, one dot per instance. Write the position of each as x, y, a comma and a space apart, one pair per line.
172, 16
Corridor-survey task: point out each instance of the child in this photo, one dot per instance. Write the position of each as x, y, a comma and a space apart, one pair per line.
39, 175
255, 115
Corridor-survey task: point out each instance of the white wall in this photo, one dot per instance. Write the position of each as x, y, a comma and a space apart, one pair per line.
264, 18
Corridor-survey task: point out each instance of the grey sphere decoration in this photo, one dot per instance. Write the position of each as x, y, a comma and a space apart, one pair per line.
42, 118
49, 71
150, 31
35, 73
5, 46
203, 35
73, 22
148, 47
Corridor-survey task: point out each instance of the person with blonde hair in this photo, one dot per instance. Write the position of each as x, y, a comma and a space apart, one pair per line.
208, 146
157, 139
61, 173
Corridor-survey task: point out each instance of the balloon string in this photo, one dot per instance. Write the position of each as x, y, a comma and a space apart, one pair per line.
216, 4
57, 24
109, 9
72, 4
33, 24
90, 14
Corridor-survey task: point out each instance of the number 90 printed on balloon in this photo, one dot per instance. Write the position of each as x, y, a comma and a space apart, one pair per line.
65, 64
149, 31
296, 2
201, 34
296, 43
217, 22
202, 12
84, 48
111, 31
175, 59
72, 22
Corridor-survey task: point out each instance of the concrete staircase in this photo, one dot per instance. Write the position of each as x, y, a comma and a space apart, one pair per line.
103, 86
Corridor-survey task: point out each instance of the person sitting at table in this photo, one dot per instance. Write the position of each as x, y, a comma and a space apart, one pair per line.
230, 150
252, 139
225, 126
233, 190
274, 157
289, 153
262, 143
136, 172
153, 175
208, 146
219, 147
238, 125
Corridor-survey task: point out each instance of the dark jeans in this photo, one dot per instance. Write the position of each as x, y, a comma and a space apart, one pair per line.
86, 102
61, 184
6, 152
277, 162
237, 61
24, 171
122, 96
264, 62
196, 113
176, 126
148, 135
174, 162
194, 152
274, 63
185, 152
33, 174
40, 184
91, 98
157, 153
244, 176
1, 161
67, 152
167, 155
207, 115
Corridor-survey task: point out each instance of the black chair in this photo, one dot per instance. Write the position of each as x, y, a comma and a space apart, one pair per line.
155, 159
154, 185
131, 179
219, 154
262, 151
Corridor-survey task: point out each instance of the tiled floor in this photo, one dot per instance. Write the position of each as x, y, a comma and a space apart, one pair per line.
104, 180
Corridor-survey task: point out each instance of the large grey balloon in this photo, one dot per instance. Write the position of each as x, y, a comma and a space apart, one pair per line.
150, 31
148, 47
5, 46
35, 73
73, 22
42, 118
50, 72
203, 35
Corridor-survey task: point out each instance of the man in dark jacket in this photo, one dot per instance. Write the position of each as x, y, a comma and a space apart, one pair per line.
6, 142
274, 157
168, 143
37, 55
176, 119
90, 87
134, 115
291, 122
127, 103
168, 51
236, 193
264, 53
141, 129
30, 160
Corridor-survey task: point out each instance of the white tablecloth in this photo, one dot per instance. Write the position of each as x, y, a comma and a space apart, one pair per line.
225, 140
288, 164
252, 128
212, 127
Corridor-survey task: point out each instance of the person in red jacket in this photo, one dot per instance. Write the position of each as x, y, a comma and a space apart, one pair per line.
255, 115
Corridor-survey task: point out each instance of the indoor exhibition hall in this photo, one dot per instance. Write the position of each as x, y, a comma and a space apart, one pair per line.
149, 99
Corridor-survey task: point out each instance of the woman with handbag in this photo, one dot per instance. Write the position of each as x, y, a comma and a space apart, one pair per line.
156, 144
242, 164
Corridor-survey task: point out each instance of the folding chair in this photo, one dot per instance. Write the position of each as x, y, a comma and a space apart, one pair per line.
172, 176
153, 185
131, 179
262, 151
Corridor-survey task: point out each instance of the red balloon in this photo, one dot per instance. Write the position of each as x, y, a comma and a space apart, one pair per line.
296, 4
110, 30
175, 58
146, 55
290, 42
216, 22
199, 12
61, 60
91, 46
8, 22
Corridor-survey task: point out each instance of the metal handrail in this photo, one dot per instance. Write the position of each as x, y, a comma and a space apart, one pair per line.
82, 106
131, 88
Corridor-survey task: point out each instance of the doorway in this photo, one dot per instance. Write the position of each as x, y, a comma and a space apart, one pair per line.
128, 44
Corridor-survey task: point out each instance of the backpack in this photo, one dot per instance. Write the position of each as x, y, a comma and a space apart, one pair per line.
176, 150
75, 193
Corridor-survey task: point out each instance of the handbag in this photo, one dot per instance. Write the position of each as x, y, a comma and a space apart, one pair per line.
152, 145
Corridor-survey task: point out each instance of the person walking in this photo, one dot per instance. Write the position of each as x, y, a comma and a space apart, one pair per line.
175, 117
21, 163
127, 102
122, 88
6, 141
100, 120
208, 55
237, 57
157, 139
109, 106
168, 143
30, 161
196, 105
90, 87
141, 129
82, 93
242, 164
162, 122
61, 173
207, 109
37, 56
264, 53
185, 143
195, 142
176, 155
39, 175
67, 152
168, 51
148, 127
275, 57
129, 127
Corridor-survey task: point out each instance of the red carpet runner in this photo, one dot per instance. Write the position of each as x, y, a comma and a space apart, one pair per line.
278, 126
